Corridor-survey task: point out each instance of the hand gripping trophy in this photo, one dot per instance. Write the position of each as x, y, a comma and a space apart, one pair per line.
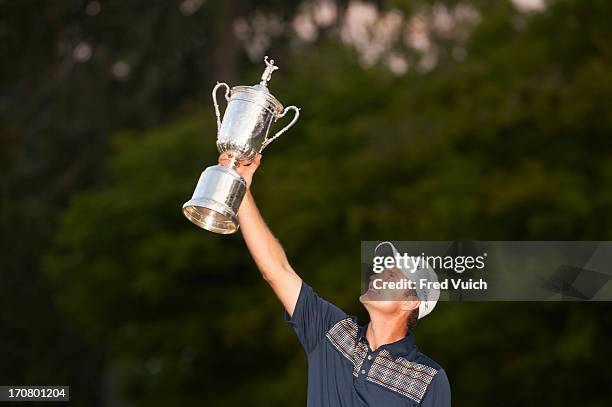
243, 132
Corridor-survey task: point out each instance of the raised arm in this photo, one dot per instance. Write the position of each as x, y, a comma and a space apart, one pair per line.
263, 246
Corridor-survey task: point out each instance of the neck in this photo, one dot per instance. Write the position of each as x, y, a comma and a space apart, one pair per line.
383, 330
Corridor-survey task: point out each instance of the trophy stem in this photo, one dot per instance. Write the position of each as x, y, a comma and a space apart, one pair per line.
233, 163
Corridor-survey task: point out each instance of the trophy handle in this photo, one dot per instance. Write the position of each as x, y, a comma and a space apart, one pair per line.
214, 96
284, 129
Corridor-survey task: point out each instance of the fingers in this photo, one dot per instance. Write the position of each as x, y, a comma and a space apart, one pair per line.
256, 161
251, 167
225, 157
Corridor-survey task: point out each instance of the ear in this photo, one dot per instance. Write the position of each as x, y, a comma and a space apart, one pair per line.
410, 305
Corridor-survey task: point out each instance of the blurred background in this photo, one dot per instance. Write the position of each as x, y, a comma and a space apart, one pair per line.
421, 120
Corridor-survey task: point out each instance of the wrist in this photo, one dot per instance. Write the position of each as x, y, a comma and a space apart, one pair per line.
247, 199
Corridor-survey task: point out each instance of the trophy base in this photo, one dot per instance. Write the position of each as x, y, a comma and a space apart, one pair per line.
211, 216
216, 200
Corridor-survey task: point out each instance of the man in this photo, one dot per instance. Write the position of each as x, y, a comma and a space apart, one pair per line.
348, 364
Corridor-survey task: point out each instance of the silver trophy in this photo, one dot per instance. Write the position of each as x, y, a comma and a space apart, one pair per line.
244, 132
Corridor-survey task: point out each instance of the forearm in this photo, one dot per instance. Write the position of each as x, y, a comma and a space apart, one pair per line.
268, 253
263, 246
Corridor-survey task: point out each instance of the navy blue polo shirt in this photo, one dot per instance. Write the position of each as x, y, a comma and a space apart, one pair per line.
344, 371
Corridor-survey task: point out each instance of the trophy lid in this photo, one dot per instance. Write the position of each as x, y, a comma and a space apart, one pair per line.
261, 89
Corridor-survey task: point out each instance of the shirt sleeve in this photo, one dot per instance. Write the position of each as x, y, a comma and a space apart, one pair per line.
312, 317
438, 391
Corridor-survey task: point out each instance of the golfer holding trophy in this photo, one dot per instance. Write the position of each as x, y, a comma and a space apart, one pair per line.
349, 364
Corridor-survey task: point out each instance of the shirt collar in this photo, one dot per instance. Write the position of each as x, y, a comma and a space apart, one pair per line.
403, 347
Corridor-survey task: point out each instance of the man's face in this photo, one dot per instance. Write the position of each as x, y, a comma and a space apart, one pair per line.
382, 296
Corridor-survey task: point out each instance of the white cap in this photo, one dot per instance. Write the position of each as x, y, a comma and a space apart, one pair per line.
428, 296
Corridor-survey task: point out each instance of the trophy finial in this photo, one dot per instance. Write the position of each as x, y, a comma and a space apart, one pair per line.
270, 67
